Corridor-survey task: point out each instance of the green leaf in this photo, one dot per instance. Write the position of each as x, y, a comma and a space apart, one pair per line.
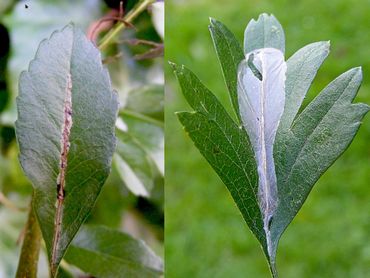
230, 54
134, 164
319, 135
264, 32
224, 145
306, 145
139, 157
147, 100
65, 131
103, 252
149, 133
302, 68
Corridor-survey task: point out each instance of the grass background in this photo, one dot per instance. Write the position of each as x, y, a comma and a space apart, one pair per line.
205, 233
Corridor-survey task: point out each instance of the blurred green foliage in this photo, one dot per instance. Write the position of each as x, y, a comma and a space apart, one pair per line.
205, 234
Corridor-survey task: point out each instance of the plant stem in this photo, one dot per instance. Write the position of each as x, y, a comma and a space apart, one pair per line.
131, 15
9, 204
27, 266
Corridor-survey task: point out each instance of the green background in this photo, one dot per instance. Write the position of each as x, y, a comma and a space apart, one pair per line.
205, 233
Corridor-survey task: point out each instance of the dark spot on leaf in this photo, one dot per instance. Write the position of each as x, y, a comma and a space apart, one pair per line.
270, 222
253, 68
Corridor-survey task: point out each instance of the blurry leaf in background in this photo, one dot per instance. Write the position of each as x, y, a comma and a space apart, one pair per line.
158, 18
29, 26
133, 164
12, 224
147, 100
5, 5
139, 155
149, 133
104, 252
65, 130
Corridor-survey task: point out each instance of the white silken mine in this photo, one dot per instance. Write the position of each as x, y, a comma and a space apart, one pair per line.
261, 97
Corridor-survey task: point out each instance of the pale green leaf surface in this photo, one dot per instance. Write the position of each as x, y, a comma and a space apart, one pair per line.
302, 67
42, 92
103, 252
319, 135
264, 32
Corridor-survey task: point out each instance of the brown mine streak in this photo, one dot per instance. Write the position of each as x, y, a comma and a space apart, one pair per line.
66, 130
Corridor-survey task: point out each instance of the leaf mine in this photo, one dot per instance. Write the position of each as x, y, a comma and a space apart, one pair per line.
261, 96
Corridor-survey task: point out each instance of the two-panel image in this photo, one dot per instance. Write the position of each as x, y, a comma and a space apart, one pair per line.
177, 139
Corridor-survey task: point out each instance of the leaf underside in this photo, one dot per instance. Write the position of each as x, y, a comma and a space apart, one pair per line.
306, 143
39, 128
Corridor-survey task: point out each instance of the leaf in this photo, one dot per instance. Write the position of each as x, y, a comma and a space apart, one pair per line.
139, 157
103, 252
134, 165
319, 135
229, 53
302, 68
149, 133
147, 100
265, 32
224, 145
65, 132
306, 145
261, 103
11, 222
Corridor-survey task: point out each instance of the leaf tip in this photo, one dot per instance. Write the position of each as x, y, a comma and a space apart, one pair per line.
172, 64
212, 21
177, 69
174, 67
358, 71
